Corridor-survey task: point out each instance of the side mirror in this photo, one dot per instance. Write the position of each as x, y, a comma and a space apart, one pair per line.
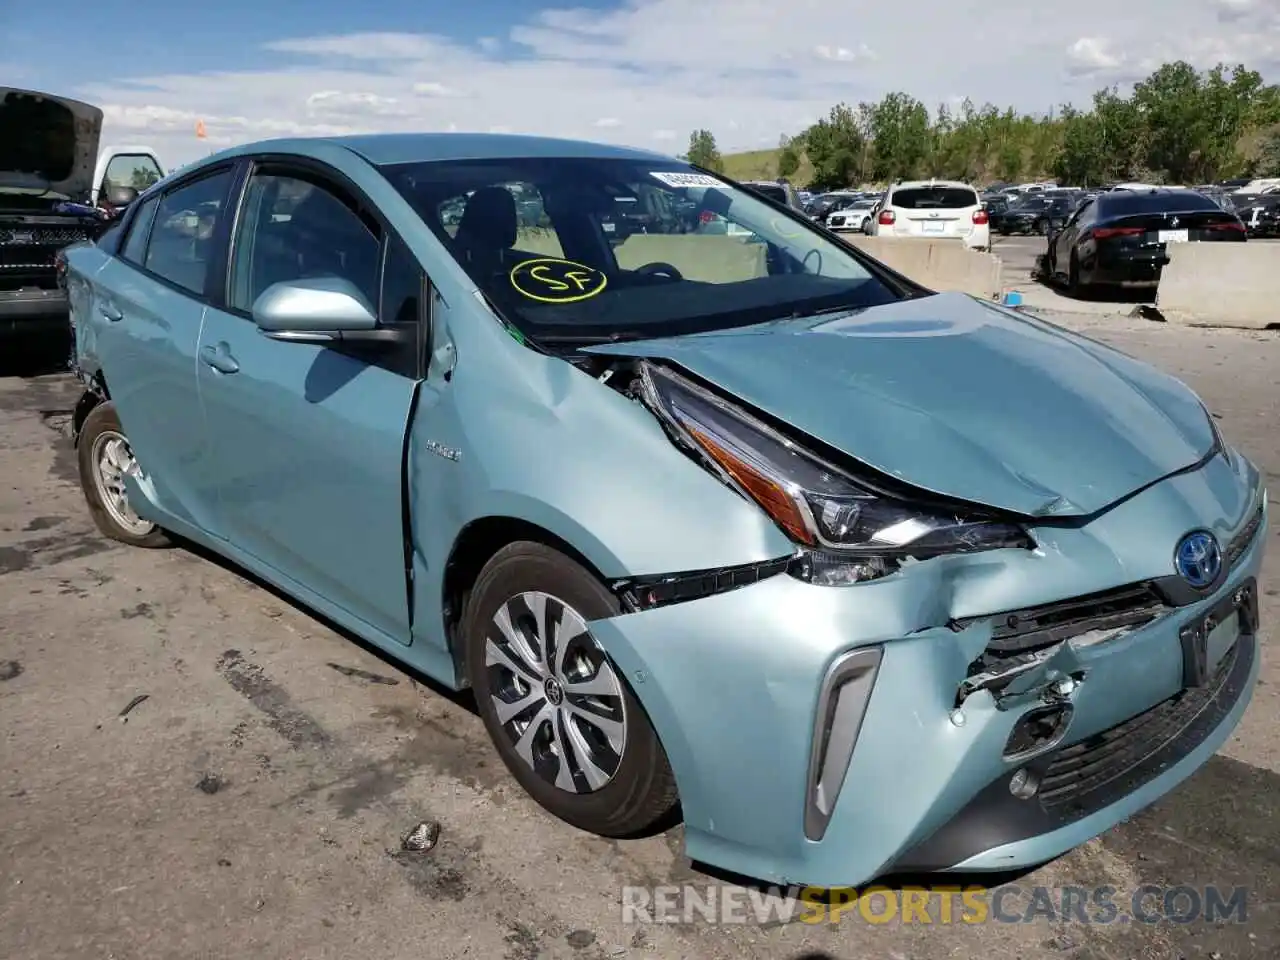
319, 310
121, 196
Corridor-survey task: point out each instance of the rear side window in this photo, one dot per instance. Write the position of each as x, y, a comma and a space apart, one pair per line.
182, 235
934, 198
135, 244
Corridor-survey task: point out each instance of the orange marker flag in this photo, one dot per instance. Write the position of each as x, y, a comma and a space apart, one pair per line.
201, 134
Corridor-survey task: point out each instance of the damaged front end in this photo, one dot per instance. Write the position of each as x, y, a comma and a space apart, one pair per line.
849, 525
1033, 652
1017, 683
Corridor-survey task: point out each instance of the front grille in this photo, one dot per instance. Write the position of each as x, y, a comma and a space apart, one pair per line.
1083, 768
1241, 542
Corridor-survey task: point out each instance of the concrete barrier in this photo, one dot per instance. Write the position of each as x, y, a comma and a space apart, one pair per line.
1221, 285
937, 264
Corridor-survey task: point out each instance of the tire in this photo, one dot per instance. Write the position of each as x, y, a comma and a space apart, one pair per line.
638, 792
102, 439
1042, 227
1074, 287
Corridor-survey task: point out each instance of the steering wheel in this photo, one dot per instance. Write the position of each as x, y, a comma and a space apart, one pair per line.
659, 269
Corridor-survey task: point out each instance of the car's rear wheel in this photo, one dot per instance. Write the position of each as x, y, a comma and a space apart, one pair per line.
105, 459
1074, 286
560, 713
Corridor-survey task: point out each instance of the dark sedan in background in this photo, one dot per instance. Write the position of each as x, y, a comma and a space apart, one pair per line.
1040, 214
1120, 238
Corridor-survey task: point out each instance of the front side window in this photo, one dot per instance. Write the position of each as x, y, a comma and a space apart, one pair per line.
621, 248
293, 229
181, 243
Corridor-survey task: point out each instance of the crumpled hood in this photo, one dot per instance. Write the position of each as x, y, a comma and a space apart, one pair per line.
48, 142
960, 398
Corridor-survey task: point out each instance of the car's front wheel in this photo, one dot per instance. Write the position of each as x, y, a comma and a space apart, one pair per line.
562, 716
105, 459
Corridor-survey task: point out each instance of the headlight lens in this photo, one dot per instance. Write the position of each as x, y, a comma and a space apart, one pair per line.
852, 532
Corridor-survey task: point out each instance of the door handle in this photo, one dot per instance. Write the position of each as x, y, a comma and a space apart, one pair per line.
219, 358
110, 312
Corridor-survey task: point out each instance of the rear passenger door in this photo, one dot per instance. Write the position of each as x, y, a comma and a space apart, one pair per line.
149, 304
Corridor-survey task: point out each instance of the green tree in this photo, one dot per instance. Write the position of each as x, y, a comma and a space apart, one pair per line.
1177, 125
900, 137
835, 147
1268, 161
703, 151
789, 156
144, 177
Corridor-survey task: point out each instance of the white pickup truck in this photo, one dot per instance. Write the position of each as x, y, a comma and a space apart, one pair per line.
56, 188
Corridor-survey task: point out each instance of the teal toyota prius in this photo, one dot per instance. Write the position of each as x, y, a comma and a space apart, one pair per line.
717, 517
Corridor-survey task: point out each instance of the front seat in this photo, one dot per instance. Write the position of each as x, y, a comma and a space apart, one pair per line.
487, 229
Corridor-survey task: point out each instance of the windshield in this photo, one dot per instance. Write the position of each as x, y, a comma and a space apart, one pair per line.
590, 248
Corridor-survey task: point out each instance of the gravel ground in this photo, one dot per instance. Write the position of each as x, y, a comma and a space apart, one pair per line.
254, 802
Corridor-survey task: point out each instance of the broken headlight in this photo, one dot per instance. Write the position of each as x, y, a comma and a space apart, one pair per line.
850, 532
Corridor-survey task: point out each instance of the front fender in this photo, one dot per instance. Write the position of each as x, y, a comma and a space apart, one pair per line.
558, 449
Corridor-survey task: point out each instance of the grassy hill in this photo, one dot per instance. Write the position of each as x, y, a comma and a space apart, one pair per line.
762, 165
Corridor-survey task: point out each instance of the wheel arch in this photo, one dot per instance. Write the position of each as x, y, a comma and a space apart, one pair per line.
474, 546
95, 393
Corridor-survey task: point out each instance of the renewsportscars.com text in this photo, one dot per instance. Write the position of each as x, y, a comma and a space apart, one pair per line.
1008, 903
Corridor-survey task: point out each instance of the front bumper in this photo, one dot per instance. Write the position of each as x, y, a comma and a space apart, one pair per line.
733, 684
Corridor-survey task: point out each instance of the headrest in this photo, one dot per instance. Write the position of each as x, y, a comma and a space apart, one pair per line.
489, 219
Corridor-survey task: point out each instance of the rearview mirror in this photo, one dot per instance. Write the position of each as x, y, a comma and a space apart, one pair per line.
318, 310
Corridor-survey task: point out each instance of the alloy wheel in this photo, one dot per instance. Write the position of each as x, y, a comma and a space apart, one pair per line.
113, 460
555, 693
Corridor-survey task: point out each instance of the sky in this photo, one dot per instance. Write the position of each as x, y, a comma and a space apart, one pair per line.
638, 72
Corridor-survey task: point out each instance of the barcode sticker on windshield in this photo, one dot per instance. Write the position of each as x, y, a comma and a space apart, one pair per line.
688, 180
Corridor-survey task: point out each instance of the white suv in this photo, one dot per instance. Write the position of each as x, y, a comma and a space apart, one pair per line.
934, 210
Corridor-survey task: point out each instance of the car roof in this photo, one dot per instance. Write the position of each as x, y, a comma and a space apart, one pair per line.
382, 149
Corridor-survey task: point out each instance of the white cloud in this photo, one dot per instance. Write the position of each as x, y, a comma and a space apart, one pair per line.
844, 54
747, 70
434, 88
1092, 55
343, 103
604, 122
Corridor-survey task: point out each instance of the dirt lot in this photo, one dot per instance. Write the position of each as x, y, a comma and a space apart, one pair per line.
253, 804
